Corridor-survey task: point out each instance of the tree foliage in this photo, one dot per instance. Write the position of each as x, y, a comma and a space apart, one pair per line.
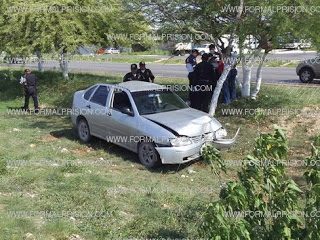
263, 204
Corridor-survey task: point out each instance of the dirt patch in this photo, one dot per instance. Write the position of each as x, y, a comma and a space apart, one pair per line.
80, 152
52, 137
308, 117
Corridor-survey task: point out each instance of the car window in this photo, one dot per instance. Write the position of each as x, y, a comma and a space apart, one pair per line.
89, 92
100, 96
157, 101
121, 100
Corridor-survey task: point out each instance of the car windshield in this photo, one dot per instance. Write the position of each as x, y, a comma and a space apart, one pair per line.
157, 101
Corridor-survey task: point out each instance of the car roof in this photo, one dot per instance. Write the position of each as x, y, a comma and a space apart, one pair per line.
136, 86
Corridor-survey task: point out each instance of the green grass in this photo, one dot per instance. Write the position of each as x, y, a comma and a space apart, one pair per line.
129, 200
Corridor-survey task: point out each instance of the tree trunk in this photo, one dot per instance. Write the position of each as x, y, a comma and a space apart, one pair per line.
259, 76
246, 72
217, 90
247, 65
40, 62
63, 60
227, 66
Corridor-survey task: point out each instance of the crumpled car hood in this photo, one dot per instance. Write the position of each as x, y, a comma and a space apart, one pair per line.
186, 122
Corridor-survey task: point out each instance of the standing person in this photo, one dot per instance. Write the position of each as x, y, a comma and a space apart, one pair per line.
30, 87
204, 82
214, 57
145, 72
191, 62
229, 86
220, 68
133, 75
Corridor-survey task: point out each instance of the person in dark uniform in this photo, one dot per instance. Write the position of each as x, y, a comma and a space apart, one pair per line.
145, 72
133, 75
191, 62
30, 86
204, 81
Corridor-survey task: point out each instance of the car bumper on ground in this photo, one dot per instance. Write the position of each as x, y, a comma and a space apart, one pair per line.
179, 155
225, 143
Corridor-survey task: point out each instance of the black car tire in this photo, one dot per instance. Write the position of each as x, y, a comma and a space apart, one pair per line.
306, 75
148, 155
83, 130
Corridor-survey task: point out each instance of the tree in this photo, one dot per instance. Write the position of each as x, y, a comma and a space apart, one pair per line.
202, 18
62, 26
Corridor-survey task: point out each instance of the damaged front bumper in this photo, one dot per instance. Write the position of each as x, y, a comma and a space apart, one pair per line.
225, 143
184, 154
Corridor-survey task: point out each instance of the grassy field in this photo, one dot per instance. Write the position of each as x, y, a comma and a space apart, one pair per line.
164, 59
54, 187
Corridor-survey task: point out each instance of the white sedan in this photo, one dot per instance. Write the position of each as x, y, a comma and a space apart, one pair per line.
147, 119
112, 51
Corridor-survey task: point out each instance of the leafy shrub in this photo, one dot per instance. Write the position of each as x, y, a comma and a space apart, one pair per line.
246, 208
312, 175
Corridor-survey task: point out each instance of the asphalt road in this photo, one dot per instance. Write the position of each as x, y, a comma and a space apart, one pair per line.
277, 54
281, 75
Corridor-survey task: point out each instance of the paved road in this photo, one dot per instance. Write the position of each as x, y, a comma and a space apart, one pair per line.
270, 74
278, 54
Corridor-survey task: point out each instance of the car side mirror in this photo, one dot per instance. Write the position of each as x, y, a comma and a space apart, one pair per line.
188, 103
127, 111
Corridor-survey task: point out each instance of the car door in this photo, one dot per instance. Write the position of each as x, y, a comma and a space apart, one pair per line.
98, 111
123, 126
317, 67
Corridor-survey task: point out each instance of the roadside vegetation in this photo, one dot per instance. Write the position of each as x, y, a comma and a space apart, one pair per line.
102, 190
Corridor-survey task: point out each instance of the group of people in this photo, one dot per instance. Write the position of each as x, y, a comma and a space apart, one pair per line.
141, 74
203, 78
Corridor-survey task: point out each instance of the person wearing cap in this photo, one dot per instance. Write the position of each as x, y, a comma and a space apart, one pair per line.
204, 83
133, 75
145, 72
30, 86
191, 62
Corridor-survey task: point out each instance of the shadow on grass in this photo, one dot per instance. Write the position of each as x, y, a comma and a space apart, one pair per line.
168, 233
126, 155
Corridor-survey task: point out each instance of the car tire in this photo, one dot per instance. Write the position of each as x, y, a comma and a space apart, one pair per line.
83, 130
148, 155
306, 75
298, 47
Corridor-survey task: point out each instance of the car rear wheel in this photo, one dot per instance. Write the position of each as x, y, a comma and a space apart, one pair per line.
306, 75
84, 131
148, 155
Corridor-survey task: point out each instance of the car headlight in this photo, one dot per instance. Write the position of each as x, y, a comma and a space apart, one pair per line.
180, 141
221, 133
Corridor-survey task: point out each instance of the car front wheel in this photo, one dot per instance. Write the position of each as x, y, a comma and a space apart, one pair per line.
306, 75
84, 131
148, 155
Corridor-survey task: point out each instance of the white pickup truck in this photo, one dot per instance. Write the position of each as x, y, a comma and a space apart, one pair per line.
181, 48
204, 48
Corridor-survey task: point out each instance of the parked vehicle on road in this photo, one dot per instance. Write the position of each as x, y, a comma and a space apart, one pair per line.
204, 48
112, 51
308, 70
183, 48
148, 119
297, 44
